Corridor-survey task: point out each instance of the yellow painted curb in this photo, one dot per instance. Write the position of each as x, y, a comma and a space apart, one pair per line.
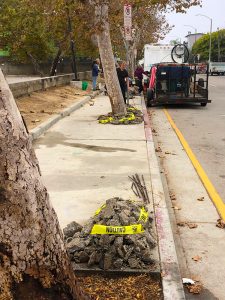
218, 202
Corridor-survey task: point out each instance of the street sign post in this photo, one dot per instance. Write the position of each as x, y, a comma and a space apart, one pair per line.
127, 32
128, 22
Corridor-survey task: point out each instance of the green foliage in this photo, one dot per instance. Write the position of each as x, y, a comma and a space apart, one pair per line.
202, 46
23, 31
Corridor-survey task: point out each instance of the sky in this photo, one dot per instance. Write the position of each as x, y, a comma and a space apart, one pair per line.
214, 9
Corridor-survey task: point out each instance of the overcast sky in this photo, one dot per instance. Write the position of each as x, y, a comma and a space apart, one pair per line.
214, 9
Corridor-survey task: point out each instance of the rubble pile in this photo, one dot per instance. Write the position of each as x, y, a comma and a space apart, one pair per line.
117, 250
133, 116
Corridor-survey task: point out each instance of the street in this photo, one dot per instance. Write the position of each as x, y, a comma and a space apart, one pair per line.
204, 130
187, 199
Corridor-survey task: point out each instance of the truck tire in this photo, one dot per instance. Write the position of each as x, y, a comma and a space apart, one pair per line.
203, 104
149, 96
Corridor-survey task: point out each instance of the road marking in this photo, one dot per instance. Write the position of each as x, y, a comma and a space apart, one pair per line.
217, 200
212, 85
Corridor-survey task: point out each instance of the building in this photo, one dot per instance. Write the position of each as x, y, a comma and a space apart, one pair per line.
192, 38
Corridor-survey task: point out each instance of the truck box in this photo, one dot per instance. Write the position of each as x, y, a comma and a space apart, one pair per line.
155, 54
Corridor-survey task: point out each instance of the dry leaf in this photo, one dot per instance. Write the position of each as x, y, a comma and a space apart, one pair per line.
176, 208
197, 258
192, 225
167, 152
220, 223
201, 199
158, 149
181, 224
195, 288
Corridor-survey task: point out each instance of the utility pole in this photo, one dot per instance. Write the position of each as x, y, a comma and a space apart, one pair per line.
218, 30
72, 43
210, 35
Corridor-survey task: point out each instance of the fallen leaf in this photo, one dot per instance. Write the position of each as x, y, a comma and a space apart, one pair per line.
220, 223
167, 152
177, 208
158, 149
181, 224
195, 289
192, 225
201, 199
197, 258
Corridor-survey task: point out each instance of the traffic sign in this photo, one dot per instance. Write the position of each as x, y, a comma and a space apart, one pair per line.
128, 22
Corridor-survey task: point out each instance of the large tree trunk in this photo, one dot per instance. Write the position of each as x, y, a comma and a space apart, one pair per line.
33, 260
107, 58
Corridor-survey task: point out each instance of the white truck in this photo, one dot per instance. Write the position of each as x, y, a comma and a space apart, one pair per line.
156, 53
217, 68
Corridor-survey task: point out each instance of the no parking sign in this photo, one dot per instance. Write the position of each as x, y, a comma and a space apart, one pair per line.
128, 22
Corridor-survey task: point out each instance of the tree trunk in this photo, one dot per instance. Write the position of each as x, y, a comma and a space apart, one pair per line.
107, 59
33, 260
35, 64
55, 63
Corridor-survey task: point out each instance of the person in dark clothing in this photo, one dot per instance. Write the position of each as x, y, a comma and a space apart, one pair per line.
139, 75
95, 71
123, 78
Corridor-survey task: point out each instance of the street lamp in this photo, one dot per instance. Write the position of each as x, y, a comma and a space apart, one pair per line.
210, 40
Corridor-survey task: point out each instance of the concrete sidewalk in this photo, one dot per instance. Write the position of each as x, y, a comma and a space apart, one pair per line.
84, 163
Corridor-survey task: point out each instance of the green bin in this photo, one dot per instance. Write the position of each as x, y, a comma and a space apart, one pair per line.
84, 85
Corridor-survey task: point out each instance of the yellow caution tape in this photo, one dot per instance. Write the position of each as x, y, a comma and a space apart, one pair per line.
105, 121
118, 230
143, 215
100, 209
130, 118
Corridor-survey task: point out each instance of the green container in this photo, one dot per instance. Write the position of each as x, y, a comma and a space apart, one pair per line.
84, 85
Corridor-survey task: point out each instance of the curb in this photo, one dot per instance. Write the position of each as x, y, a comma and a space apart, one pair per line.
39, 130
171, 277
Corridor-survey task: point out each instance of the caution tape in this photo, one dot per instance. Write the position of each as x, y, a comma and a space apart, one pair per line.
100, 209
131, 229
143, 215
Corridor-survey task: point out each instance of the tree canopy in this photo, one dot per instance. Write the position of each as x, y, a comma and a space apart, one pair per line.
201, 46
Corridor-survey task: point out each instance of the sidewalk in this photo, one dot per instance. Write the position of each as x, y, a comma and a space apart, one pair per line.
83, 163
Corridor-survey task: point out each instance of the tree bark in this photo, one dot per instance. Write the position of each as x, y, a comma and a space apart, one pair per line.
107, 58
55, 62
33, 260
35, 64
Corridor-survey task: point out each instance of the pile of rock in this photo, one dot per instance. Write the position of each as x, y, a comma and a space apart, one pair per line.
113, 251
133, 116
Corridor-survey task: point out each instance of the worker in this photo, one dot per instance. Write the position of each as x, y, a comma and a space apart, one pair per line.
123, 78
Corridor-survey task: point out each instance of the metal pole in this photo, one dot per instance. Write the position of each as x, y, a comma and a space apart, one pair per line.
218, 44
210, 43
210, 38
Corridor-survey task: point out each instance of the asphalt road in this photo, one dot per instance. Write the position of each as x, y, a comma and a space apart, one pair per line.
204, 130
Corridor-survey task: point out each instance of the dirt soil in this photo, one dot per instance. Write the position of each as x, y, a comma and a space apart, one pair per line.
40, 106
139, 287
